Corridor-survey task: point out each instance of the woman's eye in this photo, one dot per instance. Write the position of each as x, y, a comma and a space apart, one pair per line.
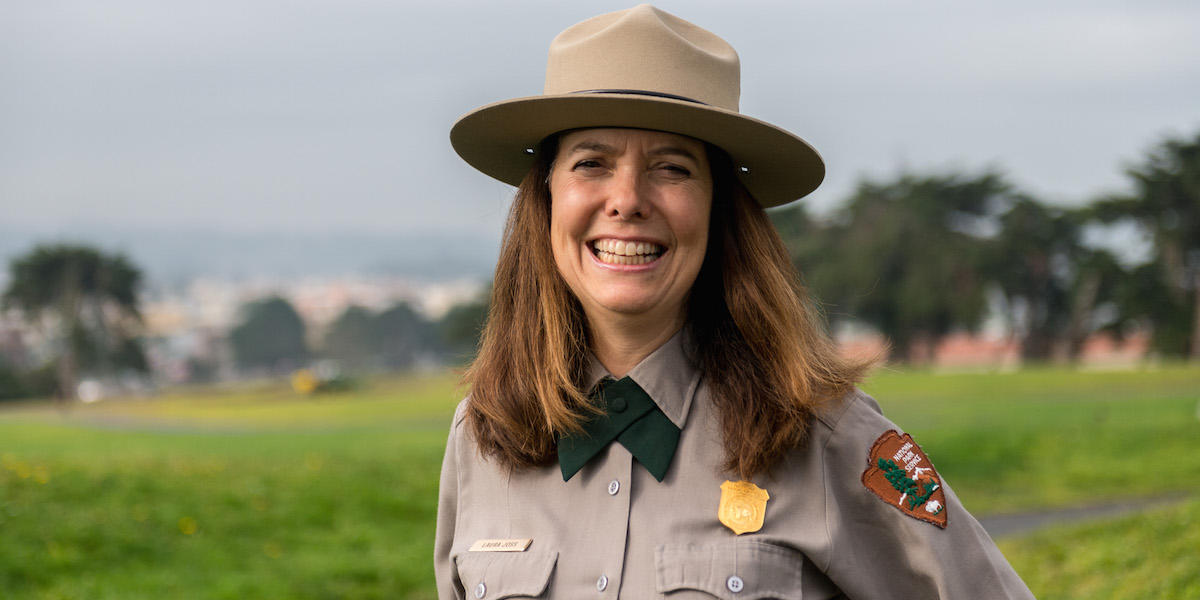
675, 171
588, 164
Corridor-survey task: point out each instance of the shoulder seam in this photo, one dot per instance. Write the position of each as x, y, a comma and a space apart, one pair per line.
832, 418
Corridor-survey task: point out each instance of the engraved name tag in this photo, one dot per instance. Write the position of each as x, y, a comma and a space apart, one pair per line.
519, 545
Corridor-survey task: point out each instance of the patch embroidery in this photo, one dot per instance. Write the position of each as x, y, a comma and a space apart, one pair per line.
900, 473
743, 506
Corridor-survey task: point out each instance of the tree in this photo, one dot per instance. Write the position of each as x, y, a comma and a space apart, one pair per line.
393, 339
353, 338
271, 336
87, 301
1030, 263
1097, 283
1166, 205
809, 242
1050, 281
404, 335
461, 326
904, 256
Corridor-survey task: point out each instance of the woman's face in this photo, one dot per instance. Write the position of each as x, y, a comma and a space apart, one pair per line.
629, 220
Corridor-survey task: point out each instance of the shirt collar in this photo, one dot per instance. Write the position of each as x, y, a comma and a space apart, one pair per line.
667, 375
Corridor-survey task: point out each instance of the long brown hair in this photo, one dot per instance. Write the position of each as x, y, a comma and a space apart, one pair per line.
759, 340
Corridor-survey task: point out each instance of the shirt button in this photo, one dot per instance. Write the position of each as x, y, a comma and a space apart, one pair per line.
480, 590
614, 486
602, 583
735, 583
618, 404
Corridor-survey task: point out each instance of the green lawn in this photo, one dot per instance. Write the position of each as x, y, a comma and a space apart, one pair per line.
1152, 555
261, 493
1011, 442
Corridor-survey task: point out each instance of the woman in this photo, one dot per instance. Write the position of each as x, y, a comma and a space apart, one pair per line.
655, 411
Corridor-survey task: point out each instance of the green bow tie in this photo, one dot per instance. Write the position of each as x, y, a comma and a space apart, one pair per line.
631, 418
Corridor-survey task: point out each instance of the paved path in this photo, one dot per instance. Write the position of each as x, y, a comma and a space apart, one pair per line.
1016, 524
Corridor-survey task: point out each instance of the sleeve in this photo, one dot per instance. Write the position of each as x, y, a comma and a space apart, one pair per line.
879, 550
448, 585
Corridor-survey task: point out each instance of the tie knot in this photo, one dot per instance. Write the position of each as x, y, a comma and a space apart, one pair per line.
629, 416
617, 395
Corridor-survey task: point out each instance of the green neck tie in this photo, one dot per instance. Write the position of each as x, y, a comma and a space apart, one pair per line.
631, 418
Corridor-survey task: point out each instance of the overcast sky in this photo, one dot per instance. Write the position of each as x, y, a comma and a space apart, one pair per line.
304, 116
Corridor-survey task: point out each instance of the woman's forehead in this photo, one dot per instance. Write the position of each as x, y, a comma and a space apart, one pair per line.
618, 139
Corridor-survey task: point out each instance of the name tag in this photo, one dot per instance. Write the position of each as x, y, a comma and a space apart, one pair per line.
501, 545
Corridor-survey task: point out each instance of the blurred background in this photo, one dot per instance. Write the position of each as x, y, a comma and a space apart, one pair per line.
242, 268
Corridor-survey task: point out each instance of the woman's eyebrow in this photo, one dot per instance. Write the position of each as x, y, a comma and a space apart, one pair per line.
602, 148
593, 146
673, 151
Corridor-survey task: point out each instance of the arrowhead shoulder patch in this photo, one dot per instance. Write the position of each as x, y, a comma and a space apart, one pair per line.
901, 475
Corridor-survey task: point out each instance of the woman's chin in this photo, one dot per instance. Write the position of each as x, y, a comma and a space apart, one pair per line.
626, 307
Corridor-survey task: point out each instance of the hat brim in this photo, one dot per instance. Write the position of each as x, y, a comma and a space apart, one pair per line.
776, 166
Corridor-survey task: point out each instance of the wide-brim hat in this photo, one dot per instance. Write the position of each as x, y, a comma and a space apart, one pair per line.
641, 68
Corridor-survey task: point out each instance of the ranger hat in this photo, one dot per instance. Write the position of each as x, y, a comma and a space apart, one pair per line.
647, 69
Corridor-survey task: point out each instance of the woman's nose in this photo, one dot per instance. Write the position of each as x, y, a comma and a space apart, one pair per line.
627, 196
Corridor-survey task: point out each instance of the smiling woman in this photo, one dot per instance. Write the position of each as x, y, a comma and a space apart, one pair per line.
628, 228
652, 372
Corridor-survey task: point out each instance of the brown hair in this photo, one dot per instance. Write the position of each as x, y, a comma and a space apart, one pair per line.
759, 340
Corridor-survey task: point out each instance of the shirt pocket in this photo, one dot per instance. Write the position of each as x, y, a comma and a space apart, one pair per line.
733, 570
496, 575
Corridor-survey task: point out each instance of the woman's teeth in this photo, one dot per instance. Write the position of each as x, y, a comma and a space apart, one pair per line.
617, 259
620, 252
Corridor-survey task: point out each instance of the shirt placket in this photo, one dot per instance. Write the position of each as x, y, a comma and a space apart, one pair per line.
614, 484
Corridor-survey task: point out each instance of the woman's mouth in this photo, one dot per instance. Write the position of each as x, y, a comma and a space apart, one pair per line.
621, 252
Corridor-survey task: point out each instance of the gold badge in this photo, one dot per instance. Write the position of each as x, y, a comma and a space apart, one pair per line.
743, 506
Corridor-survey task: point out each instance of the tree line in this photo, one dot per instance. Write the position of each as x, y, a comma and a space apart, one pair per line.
84, 302
915, 257
271, 337
919, 256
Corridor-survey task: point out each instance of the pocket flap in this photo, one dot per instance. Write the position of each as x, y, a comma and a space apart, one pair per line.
505, 574
762, 570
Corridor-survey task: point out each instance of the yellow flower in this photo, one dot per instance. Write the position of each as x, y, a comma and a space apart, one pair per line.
305, 381
187, 525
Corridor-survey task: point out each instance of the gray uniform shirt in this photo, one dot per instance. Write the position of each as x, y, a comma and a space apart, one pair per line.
612, 531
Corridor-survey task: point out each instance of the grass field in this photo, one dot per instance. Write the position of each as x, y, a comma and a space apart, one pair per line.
261, 493
1152, 555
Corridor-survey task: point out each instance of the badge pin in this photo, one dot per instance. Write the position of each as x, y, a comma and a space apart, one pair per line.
743, 506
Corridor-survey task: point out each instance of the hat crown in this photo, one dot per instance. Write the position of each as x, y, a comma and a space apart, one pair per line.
644, 49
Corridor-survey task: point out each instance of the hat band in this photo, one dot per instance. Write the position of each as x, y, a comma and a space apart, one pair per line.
642, 93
